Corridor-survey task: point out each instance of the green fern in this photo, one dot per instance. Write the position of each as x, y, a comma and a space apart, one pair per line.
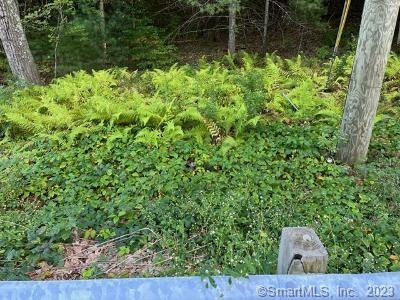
148, 137
210, 103
393, 67
228, 144
199, 133
172, 132
296, 70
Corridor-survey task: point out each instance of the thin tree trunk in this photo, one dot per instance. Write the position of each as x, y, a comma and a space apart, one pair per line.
374, 43
265, 29
15, 44
60, 27
103, 28
232, 28
398, 32
398, 37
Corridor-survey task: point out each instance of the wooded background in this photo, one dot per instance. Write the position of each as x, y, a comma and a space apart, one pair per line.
68, 35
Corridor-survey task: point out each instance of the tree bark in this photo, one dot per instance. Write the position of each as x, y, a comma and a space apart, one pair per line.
103, 28
232, 28
265, 29
15, 44
374, 43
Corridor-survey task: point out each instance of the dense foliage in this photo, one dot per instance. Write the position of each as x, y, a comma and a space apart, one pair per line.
68, 35
308, 10
214, 160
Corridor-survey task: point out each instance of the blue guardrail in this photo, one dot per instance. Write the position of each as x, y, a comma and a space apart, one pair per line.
362, 286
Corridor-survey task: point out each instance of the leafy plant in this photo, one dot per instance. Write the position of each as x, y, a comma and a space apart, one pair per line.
200, 158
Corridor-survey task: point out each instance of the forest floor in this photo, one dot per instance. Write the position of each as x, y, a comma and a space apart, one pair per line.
193, 170
286, 43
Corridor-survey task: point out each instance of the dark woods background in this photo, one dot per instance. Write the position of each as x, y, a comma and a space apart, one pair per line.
68, 35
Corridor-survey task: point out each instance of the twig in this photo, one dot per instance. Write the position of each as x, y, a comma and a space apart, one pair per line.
290, 101
139, 259
117, 239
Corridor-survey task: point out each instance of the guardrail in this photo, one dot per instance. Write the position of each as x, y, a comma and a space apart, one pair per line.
362, 286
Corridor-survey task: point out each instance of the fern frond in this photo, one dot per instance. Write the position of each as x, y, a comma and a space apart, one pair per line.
23, 123
228, 144
199, 133
191, 114
172, 132
148, 137
118, 134
214, 131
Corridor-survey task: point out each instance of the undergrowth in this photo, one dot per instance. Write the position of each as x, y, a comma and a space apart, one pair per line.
181, 103
215, 160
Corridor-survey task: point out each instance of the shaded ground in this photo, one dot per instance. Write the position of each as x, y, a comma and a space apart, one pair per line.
286, 42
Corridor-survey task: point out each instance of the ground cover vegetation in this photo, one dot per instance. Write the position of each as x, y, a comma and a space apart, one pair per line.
193, 170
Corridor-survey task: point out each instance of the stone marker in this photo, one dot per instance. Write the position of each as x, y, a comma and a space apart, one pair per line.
301, 252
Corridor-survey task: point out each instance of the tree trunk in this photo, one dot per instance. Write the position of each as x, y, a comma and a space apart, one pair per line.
398, 37
15, 44
398, 32
60, 28
375, 39
232, 28
266, 19
103, 28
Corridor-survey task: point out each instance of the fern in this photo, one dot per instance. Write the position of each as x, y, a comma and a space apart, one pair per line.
210, 103
23, 123
199, 133
248, 62
296, 70
148, 137
76, 132
273, 77
172, 132
393, 67
214, 130
228, 144
118, 134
